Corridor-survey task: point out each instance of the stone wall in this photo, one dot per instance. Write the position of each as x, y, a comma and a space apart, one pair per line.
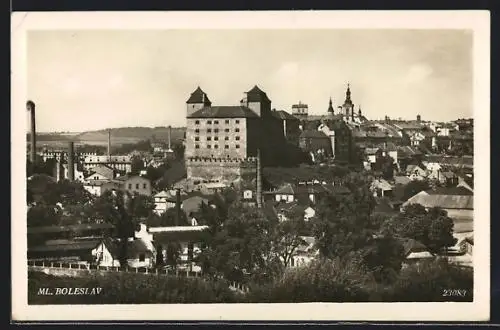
224, 170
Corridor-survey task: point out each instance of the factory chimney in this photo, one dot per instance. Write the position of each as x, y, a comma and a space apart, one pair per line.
71, 158
177, 206
169, 138
30, 106
259, 181
109, 144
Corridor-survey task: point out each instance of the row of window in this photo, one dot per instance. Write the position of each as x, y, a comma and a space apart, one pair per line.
144, 186
216, 146
216, 122
216, 130
216, 138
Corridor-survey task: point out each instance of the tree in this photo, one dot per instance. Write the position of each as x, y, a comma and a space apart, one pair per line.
432, 228
413, 188
386, 166
43, 214
286, 238
137, 165
114, 207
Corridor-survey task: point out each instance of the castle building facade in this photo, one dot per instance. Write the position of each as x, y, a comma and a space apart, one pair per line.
222, 142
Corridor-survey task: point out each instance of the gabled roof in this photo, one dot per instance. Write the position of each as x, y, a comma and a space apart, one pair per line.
443, 201
103, 170
412, 168
381, 184
313, 134
286, 189
198, 96
412, 246
231, 111
58, 229
281, 114
69, 245
401, 179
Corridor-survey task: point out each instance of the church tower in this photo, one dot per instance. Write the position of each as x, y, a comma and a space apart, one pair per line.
348, 106
197, 101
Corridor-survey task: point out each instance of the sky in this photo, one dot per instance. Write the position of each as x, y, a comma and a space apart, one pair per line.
94, 79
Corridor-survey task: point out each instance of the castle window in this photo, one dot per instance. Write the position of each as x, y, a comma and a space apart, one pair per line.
209, 146
209, 130
227, 121
209, 138
237, 121
197, 131
216, 122
136, 186
197, 138
216, 138
197, 122
237, 146
237, 130
226, 146
144, 186
129, 186
216, 146
226, 130
197, 146
226, 138
209, 121
216, 130
237, 138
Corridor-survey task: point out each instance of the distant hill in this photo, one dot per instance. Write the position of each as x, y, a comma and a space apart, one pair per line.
118, 135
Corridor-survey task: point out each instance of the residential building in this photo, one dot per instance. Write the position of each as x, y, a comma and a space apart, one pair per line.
99, 187
300, 110
415, 172
121, 163
136, 184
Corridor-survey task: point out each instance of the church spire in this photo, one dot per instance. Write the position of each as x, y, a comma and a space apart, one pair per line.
359, 111
330, 106
348, 95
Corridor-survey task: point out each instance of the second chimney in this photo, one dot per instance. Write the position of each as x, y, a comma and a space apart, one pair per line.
109, 144
178, 207
71, 158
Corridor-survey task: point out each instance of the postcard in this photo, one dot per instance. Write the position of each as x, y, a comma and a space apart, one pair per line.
252, 166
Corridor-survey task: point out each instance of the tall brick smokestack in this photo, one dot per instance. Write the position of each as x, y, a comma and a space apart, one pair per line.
169, 138
30, 106
71, 164
109, 144
178, 207
259, 180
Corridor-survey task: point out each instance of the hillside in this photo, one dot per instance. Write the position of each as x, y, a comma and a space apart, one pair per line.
118, 135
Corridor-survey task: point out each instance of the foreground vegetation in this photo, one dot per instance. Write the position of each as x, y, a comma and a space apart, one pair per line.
326, 281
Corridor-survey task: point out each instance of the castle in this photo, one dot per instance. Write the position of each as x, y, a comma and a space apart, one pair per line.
223, 142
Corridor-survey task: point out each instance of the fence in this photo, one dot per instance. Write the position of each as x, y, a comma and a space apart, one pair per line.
37, 264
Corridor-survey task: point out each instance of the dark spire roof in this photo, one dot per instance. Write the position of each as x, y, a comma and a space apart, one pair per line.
256, 95
330, 106
348, 95
198, 96
359, 111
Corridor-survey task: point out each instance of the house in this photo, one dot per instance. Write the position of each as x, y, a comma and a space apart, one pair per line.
466, 245
41, 234
401, 180
381, 188
457, 201
122, 163
315, 141
189, 239
414, 251
136, 184
415, 172
305, 252
99, 187
101, 172
74, 250
140, 253
284, 210
106, 253
303, 193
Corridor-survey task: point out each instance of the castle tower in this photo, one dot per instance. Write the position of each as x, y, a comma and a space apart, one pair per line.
300, 110
258, 101
197, 101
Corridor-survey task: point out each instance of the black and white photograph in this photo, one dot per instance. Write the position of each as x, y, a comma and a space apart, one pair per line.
251, 162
